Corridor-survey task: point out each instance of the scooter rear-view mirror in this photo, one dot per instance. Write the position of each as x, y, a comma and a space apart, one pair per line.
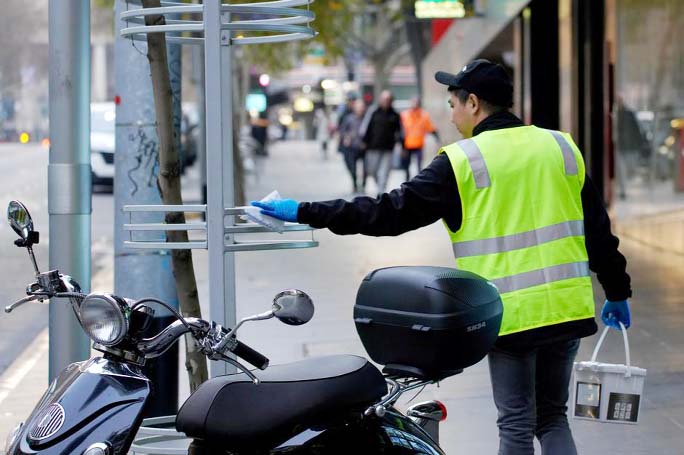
293, 307
20, 219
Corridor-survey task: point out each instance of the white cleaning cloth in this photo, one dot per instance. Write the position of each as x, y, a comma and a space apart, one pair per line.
254, 214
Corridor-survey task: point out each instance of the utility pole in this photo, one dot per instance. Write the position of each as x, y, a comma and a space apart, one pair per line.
141, 273
69, 174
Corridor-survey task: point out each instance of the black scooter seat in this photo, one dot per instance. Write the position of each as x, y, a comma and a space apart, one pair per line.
232, 413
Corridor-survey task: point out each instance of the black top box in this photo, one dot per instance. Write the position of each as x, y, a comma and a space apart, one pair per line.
427, 322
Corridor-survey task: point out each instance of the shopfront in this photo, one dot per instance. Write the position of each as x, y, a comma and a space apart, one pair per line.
649, 102
609, 72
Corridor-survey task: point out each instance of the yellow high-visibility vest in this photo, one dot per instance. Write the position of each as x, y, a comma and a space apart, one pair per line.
522, 223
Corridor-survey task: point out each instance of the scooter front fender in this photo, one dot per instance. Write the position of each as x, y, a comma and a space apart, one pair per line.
96, 401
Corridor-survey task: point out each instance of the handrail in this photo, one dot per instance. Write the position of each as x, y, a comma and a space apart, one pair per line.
161, 11
271, 4
253, 228
164, 208
270, 245
165, 227
136, 245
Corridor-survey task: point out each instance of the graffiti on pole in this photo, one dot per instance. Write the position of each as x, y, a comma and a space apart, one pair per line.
145, 159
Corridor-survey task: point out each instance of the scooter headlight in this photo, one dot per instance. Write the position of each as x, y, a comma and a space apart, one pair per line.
103, 318
99, 448
12, 437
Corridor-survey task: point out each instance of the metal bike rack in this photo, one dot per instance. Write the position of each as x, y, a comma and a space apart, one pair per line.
229, 229
158, 436
221, 26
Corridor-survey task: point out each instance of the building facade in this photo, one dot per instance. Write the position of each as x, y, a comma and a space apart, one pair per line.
611, 72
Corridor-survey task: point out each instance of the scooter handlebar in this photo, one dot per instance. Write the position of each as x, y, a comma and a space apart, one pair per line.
251, 356
10, 308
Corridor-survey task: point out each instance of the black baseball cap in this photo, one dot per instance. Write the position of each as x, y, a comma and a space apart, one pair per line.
485, 79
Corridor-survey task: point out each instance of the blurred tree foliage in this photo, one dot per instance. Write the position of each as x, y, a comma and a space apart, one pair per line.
333, 22
381, 35
103, 3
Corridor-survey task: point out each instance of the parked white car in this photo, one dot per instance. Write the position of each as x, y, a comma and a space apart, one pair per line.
102, 144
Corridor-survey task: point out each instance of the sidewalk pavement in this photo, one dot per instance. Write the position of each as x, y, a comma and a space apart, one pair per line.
331, 273
652, 215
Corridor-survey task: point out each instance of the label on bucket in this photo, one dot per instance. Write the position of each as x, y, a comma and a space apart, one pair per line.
623, 407
588, 400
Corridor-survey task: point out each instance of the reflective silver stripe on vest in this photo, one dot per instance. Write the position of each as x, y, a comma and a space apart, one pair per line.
520, 240
477, 163
568, 154
542, 276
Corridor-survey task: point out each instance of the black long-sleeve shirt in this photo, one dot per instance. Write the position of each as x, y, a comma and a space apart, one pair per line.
383, 130
433, 194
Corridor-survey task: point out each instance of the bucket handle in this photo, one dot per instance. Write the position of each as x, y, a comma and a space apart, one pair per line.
626, 341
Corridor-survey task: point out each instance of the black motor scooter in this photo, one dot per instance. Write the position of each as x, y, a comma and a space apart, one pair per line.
423, 324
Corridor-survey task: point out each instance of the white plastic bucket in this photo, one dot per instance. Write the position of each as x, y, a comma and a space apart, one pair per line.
606, 392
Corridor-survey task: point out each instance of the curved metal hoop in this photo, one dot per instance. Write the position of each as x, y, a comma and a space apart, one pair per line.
290, 24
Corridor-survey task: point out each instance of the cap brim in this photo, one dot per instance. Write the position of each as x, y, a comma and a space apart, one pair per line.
447, 78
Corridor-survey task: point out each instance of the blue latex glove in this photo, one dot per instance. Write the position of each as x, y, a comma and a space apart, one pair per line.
615, 312
283, 209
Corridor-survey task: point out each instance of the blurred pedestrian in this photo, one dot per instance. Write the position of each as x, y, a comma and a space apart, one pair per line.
345, 109
259, 130
520, 211
631, 142
350, 144
381, 135
283, 131
417, 124
322, 125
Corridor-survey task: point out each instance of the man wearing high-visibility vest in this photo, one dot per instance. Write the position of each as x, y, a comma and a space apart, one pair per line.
520, 211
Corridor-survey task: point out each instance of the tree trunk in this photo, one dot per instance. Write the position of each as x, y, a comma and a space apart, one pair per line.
419, 44
170, 189
381, 77
238, 116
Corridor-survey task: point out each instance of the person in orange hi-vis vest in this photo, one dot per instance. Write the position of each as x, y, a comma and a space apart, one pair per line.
417, 124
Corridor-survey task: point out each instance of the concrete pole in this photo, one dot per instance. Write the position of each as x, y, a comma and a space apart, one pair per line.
100, 71
69, 174
141, 273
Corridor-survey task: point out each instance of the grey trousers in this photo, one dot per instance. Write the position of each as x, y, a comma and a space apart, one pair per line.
378, 164
531, 394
